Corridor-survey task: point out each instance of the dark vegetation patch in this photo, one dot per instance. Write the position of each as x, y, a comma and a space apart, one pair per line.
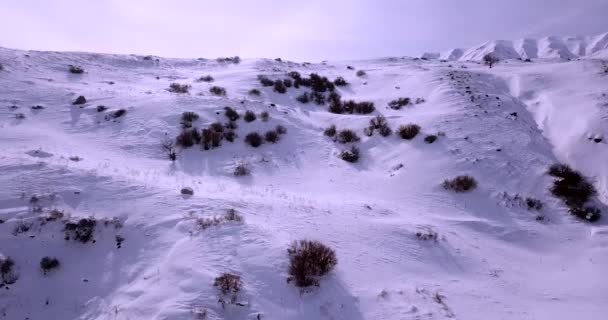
303, 98
347, 136
330, 131
230, 136
430, 138
218, 91
211, 139
280, 129
490, 59
76, 69
380, 125
351, 106
188, 117
231, 114
427, 235
188, 138
265, 81
226, 60
588, 213
533, 204
232, 125
408, 132
460, 184
229, 286
80, 100
119, 240
179, 88
271, 136
529, 203
399, 103
48, 263
81, 231
22, 227
206, 78
318, 98
254, 139
117, 114
232, 215
575, 190
340, 82
308, 261
280, 87
264, 116
351, 155
249, 116
241, 170
8, 275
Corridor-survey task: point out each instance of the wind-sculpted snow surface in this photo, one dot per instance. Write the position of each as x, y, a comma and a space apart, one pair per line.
96, 189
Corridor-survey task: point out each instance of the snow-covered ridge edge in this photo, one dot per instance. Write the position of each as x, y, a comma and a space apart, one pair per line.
552, 47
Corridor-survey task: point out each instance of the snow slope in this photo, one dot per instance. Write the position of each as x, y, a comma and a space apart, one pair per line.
492, 259
544, 48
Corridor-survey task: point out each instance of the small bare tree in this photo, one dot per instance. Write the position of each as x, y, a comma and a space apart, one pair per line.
490, 59
168, 146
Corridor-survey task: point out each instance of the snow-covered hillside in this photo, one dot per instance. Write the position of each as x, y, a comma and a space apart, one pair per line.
544, 48
406, 247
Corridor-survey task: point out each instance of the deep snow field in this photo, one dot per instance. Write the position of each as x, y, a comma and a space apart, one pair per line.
493, 258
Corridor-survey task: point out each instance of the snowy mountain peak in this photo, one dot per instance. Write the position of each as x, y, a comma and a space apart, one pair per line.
550, 47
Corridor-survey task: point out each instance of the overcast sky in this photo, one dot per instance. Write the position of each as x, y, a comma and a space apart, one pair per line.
299, 30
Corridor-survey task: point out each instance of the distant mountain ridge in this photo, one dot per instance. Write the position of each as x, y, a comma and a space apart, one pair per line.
551, 47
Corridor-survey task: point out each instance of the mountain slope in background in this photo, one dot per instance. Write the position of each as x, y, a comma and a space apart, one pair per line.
157, 252
544, 48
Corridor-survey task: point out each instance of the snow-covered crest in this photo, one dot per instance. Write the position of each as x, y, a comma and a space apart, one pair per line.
544, 48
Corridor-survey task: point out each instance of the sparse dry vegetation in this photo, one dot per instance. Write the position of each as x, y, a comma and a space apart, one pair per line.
81, 231
575, 190
206, 78
8, 274
254, 139
460, 184
330, 131
226, 60
351, 155
80, 100
308, 261
241, 170
48, 263
229, 286
399, 103
218, 91
231, 114
272, 136
347, 136
76, 69
179, 88
249, 116
408, 132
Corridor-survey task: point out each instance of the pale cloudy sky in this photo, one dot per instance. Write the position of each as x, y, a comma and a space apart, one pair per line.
300, 30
